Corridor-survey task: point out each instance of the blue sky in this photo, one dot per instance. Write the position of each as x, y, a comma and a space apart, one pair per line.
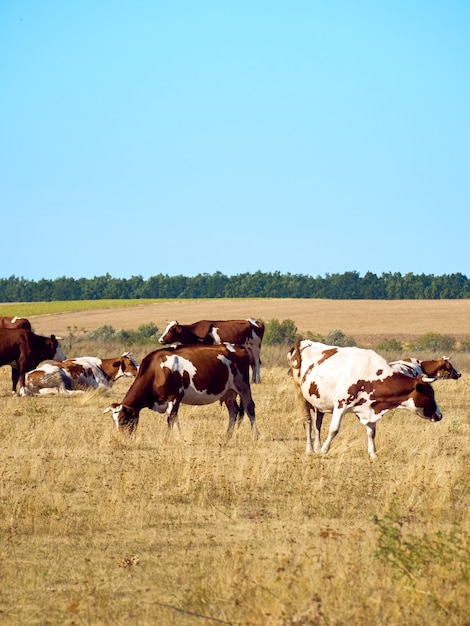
181, 137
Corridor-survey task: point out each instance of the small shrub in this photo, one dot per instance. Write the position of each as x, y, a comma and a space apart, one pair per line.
312, 336
145, 333
465, 345
435, 342
338, 338
389, 345
279, 332
411, 556
102, 333
106, 334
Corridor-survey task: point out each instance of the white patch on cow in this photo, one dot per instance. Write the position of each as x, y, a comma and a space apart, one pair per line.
214, 333
194, 396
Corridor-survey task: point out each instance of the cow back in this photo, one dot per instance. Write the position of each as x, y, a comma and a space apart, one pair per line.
12, 323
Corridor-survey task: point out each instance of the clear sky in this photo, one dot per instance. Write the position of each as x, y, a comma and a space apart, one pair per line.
186, 137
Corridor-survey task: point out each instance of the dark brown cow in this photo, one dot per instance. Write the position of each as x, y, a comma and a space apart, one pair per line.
24, 350
14, 322
83, 372
247, 333
193, 375
343, 380
430, 371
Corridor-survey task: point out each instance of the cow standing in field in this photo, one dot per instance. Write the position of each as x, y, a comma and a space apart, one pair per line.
438, 369
11, 323
24, 350
195, 375
353, 380
247, 333
85, 372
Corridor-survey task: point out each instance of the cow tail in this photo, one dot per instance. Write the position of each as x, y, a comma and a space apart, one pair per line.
295, 359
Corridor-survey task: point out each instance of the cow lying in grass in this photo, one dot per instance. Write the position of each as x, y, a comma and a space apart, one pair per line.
86, 372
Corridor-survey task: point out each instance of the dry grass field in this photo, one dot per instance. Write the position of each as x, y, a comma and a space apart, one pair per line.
100, 529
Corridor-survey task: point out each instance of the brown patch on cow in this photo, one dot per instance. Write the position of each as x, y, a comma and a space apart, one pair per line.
313, 389
309, 369
327, 354
212, 384
75, 369
379, 372
361, 386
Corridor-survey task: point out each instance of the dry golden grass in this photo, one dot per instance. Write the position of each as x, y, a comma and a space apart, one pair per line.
99, 529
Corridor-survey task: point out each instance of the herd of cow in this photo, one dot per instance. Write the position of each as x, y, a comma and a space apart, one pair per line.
210, 361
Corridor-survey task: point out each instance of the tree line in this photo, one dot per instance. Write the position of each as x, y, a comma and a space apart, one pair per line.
347, 286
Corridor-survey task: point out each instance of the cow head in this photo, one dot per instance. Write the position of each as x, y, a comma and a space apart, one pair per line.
170, 332
55, 345
127, 366
125, 418
447, 370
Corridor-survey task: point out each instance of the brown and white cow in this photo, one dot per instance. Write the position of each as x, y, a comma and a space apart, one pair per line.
81, 373
438, 369
14, 322
24, 350
247, 333
353, 380
195, 375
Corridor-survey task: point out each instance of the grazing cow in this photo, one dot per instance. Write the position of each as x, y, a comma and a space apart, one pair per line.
353, 380
24, 350
247, 333
80, 373
439, 369
192, 375
14, 322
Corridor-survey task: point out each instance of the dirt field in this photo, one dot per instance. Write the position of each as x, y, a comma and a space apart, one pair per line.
366, 320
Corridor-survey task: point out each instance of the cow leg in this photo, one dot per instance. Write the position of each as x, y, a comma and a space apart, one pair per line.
308, 433
333, 430
249, 407
173, 422
370, 427
309, 413
318, 424
15, 375
255, 371
258, 370
233, 413
306, 411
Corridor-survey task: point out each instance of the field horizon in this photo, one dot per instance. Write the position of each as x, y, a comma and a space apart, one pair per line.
368, 321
